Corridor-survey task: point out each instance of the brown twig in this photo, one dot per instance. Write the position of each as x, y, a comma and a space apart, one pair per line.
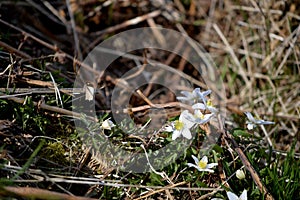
14, 50
150, 193
34, 193
52, 108
165, 105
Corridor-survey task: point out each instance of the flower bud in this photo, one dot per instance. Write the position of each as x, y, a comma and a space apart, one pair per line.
240, 174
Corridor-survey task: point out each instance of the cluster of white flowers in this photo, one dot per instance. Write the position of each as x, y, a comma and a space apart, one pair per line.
200, 104
203, 111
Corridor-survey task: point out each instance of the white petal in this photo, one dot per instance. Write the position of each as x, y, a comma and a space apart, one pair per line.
195, 159
244, 195
212, 109
175, 134
250, 116
196, 90
107, 124
198, 106
192, 165
187, 133
261, 122
189, 95
182, 98
187, 119
207, 92
250, 126
208, 170
232, 196
211, 165
202, 95
182, 115
169, 128
207, 117
111, 123
204, 159
198, 114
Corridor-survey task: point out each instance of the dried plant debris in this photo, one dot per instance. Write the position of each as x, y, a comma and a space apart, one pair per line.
184, 122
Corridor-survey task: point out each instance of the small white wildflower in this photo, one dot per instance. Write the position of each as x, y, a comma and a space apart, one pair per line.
194, 96
199, 117
240, 174
188, 96
202, 95
181, 126
107, 124
209, 106
202, 165
232, 196
253, 122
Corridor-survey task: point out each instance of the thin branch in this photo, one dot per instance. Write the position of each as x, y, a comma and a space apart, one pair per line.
14, 50
34, 193
53, 108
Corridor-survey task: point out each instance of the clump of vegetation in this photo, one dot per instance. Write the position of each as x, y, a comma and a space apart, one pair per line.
228, 134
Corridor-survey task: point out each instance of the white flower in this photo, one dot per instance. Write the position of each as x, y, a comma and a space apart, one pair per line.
202, 95
181, 126
107, 124
209, 106
202, 165
199, 117
240, 174
232, 196
194, 96
253, 122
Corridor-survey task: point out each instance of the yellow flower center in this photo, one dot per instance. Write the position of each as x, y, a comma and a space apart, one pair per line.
199, 115
209, 103
202, 164
179, 125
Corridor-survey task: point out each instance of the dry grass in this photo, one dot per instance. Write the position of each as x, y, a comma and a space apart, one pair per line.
255, 46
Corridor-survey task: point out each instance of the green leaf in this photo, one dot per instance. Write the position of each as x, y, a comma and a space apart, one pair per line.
156, 179
242, 133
